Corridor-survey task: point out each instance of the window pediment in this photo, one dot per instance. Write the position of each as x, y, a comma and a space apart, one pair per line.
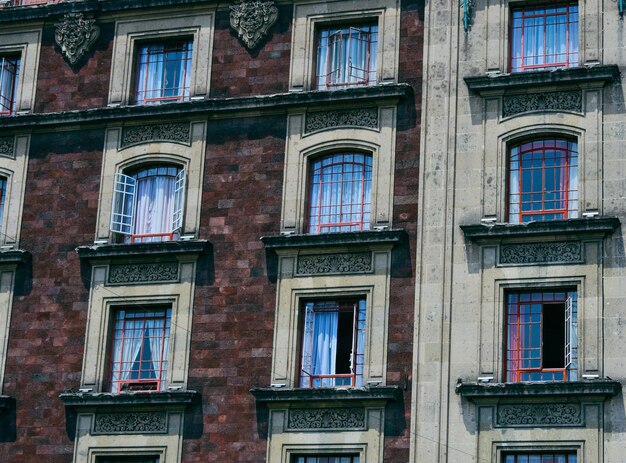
148, 251
323, 396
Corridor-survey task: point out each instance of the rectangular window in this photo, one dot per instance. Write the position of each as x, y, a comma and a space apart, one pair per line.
543, 180
140, 349
541, 335
340, 193
325, 459
125, 459
544, 37
9, 76
333, 342
163, 72
540, 457
346, 56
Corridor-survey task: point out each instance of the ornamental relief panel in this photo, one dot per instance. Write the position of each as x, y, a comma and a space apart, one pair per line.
130, 423
252, 20
138, 134
324, 264
558, 252
539, 414
362, 117
7, 146
120, 274
326, 418
75, 35
550, 101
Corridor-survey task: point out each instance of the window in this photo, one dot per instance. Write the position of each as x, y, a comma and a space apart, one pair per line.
139, 349
540, 457
3, 190
543, 180
163, 72
326, 459
332, 343
9, 76
148, 204
542, 335
544, 37
340, 193
346, 56
124, 459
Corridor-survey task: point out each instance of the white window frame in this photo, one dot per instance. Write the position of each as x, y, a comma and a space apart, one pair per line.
26, 43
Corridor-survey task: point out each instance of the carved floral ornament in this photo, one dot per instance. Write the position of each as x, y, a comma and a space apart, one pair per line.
75, 35
252, 19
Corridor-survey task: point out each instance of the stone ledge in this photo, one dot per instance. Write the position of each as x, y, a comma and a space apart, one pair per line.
277, 103
604, 388
88, 401
393, 237
15, 257
599, 227
538, 79
267, 395
142, 250
6, 402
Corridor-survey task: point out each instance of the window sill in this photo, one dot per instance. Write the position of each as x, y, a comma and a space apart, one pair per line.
604, 389
267, 395
590, 228
389, 237
162, 249
89, 401
571, 77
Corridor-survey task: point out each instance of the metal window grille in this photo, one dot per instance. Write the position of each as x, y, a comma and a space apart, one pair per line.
139, 349
325, 459
9, 76
346, 56
543, 180
544, 37
163, 72
340, 193
348, 341
541, 336
540, 457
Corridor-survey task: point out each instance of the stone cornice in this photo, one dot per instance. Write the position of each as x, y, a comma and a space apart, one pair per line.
15, 257
559, 78
325, 240
88, 401
604, 388
217, 107
142, 250
592, 227
316, 395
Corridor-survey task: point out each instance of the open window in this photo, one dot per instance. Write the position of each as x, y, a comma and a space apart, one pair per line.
333, 342
543, 180
540, 457
148, 204
140, 349
541, 335
347, 56
544, 37
9, 77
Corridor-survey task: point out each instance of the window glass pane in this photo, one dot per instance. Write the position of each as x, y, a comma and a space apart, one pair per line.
9, 77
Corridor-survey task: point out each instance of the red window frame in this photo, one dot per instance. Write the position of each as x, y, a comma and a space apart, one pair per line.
339, 35
334, 181
524, 19
173, 51
334, 458
130, 324
9, 70
556, 456
526, 347
542, 180
353, 378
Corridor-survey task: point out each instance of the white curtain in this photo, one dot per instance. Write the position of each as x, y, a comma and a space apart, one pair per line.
159, 346
125, 353
155, 205
150, 72
9, 69
325, 347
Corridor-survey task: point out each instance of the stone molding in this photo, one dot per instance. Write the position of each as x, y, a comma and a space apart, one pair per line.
357, 262
143, 273
75, 35
173, 132
549, 101
602, 388
144, 251
130, 423
252, 19
325, 418
558, 252
7, 146
539, 414
361, 117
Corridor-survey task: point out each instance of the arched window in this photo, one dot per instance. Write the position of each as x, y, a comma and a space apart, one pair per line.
148, 203
340, 193
543, 180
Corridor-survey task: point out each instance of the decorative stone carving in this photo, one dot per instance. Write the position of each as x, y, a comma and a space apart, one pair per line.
252, 19
75, 35
551, 101
7, 146
557, 252
547, 414
143, 273
363, 117
326, 418
175, 132
132, 422
356, 262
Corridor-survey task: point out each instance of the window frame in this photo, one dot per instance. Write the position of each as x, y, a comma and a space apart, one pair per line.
354, 458
26, 44
517, 453
11, 98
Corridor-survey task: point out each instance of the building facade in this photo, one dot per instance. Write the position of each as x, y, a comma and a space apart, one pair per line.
208, 230
520, 260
